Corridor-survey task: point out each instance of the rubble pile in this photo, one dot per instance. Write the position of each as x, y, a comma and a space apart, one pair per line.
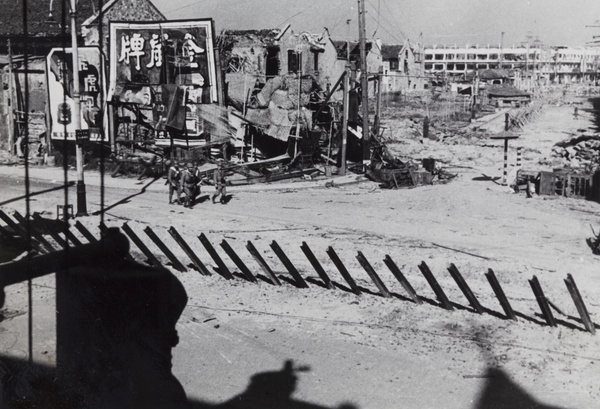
581, 150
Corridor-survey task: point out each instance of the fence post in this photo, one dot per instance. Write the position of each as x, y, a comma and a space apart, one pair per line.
140, 244
174, 260
435, 286
403, 281
85, 232
223, 270
542, 301
576, 296
316, 265
238, 261
262, 263
343, 270
188, 250
288, 264
374, 277
495, 284
464, 287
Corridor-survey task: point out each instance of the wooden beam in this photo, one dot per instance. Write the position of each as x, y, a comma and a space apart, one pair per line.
140, 244
238, 261
402, 279
579, 304
316, 265
373, 275
288, 264
495, 284
464, 287
223, 270
437, 289
262, 263
343, 270
542, 302
188, 250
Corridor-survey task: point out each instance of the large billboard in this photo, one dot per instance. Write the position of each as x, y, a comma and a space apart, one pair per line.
168, 70
59, 69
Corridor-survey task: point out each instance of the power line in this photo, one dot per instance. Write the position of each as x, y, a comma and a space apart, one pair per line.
389, 31
391, 13
392, 26
298, 13
378, 16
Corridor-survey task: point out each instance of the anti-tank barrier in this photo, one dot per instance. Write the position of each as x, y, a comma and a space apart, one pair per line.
324, 280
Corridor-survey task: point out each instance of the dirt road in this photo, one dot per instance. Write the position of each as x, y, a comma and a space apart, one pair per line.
366, 351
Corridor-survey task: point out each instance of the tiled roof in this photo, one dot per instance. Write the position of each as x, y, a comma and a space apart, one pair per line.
390, 51
342, 48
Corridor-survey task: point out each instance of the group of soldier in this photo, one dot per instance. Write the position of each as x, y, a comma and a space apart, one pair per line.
186, 179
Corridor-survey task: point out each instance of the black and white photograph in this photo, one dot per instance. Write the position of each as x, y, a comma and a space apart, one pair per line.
299, 204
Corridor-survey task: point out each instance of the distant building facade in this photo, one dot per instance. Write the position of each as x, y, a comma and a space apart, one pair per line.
554, 64
402, 68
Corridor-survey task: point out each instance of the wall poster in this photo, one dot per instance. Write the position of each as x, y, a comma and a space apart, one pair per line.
59, 71
165, 70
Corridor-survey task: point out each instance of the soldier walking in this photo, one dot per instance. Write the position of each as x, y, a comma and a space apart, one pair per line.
220, 183
173, 178
188, 183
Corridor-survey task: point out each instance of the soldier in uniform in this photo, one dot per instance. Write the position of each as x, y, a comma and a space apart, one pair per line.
197, 176
173, 178
220, 182
189, 182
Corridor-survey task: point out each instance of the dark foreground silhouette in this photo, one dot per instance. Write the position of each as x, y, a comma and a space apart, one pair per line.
115, 330
116, 327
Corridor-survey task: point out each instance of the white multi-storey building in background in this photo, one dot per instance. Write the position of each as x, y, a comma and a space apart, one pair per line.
555, 64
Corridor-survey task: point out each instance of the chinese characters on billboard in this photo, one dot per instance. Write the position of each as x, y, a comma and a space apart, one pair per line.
59, 68
162, 72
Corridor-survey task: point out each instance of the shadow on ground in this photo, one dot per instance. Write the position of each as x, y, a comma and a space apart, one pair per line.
501, 392
116, 327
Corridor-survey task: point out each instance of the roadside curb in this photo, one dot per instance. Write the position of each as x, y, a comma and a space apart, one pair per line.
92, 178
333, 182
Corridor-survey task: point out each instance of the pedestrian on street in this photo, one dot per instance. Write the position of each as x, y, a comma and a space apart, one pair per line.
220, 183
173, 177
188, 183
576, 113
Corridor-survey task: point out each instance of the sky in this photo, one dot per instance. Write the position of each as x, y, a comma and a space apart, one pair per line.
482, 22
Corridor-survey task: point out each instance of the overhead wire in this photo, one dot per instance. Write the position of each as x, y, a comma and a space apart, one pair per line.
378, 17
298, 13
391, 13
389, 31
390, 28
342, 18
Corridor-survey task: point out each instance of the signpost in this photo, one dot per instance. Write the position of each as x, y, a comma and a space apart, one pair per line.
82, 136
506, 137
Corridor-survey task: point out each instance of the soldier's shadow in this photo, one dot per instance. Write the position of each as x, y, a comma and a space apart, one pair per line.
116, 327
501, 392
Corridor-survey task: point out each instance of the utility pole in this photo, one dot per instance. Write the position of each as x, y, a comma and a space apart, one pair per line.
346, 90
12, 102
81, 200
501, 49
364, 83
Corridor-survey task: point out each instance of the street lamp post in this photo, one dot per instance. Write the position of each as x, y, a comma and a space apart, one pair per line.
81, 200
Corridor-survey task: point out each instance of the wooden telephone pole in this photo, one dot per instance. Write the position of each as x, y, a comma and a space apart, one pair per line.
364, 83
